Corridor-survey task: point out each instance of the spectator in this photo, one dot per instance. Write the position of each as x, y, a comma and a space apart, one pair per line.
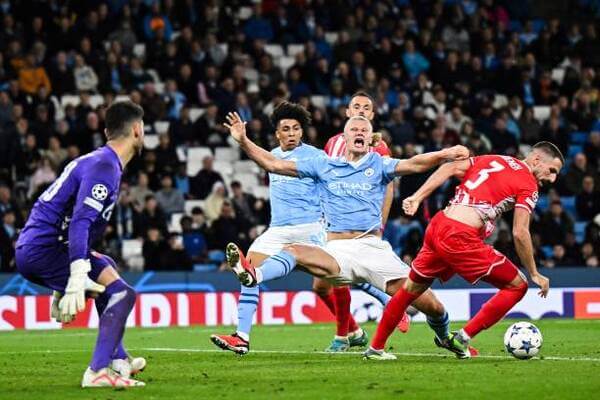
175, 256
141, 191
55, 154
587, 201
153, 250
85, 76
182, 181
8, 236
169, 199
194, 241
33, 76
124, 214
226, 228
576, 173
43, 176
204, 181
214, 202
555, 225
401, 131
243, 203
150, 217
414, 62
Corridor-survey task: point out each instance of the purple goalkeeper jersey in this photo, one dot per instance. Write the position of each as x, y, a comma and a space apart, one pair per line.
76, 208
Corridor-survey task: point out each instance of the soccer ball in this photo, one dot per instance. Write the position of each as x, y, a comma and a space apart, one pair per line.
523, 340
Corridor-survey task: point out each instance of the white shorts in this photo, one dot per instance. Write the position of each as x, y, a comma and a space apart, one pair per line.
367, 259
275, 238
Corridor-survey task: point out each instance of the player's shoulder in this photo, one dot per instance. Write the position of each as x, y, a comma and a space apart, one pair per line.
100, 160
311, 150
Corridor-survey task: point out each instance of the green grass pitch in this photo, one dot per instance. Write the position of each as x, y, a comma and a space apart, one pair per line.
287, 362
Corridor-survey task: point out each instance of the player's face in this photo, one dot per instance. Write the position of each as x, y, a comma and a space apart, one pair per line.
289, 134
546, 170
360, 106
358, 135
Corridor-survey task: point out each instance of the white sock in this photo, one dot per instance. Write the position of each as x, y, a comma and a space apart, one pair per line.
357, 332
243, 336
259, 276
463, 337
344, 338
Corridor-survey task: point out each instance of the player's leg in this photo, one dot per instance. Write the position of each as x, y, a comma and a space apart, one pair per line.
122, 362
384, 298
513, 286
120, 299
239, 342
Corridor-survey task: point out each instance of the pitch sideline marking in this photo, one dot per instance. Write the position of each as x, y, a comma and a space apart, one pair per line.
350, 353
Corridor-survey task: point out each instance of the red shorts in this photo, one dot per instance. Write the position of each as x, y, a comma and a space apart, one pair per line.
451, 247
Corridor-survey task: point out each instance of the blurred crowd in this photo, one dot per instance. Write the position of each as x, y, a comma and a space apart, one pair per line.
489, 74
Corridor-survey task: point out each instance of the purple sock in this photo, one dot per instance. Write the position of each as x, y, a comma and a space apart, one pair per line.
121, 299
101, 301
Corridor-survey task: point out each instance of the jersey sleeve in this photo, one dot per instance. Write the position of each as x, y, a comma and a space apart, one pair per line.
329, 145
95, 189
527, 197
389, 168
311, 167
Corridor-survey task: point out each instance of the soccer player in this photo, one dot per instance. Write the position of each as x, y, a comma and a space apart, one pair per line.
352, 190
53, 250
454, 243
337, 299
296, 216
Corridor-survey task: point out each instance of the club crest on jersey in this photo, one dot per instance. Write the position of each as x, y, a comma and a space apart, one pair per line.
369, 172
99, 192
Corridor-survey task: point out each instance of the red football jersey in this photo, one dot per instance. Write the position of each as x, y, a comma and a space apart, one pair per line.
336, 147
494, 184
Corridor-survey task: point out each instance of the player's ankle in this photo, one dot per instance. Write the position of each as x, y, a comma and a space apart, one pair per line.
463, 337
342, 338
356, 333
244, 336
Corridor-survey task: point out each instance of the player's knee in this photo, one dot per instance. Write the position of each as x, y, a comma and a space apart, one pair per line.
321, 289
519, 285
437, 309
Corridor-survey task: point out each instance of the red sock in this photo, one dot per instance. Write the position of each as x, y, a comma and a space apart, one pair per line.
329, 300
342, 309
495, 308
352, 325
391, 316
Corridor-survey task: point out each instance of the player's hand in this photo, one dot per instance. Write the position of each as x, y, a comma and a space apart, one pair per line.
457, 153
55, 310
543, 283
73, 301
410, 205
237, 127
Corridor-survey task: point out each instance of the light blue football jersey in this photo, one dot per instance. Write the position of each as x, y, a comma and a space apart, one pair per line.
295, 201
352, 192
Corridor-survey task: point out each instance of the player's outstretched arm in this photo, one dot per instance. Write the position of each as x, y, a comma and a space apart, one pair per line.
410, 205
524, 248
424, 162
237, 129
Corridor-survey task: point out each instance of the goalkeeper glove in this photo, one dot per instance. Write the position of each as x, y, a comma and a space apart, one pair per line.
73, 300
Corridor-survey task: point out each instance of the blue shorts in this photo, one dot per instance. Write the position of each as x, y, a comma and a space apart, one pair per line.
50, 266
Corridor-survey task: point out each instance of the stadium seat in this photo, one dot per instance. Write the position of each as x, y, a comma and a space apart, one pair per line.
558, 75
159, 87
524, 148
69, 99
139, 50
121, 97
543, 203
284, 63
246, 166
331, 37
261, 192
293, 49
161, 127
227, 154
189, 205
500, 101
131, 251
275, 50
196, 112
580, 138
150, 141
568, 203
319, 101
248, 180
574, 149
153, 74
244, 13
547, 251
515, 26
175, 223
541, 113
195, 155
96, 100
216, 256
223, 167
205, 267
59, 112
224, 47
579, 230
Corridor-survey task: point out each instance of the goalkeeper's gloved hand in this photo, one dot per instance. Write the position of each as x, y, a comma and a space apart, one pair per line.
73, 300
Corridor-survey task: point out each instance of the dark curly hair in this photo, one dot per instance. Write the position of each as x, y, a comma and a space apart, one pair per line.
287, 110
